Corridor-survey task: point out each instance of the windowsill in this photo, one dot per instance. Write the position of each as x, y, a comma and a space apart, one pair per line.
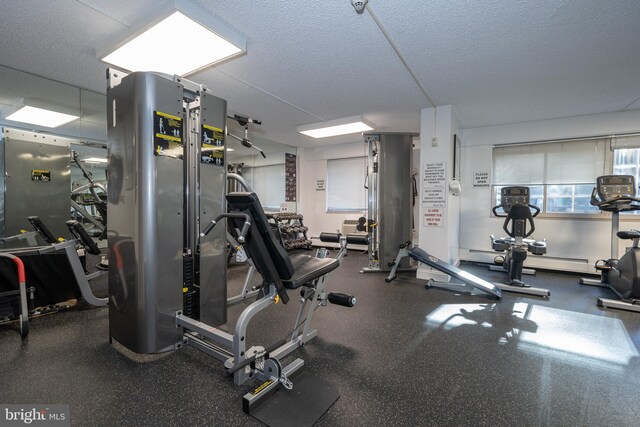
604, 216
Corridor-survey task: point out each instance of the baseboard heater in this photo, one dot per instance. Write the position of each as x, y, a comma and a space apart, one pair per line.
562, 259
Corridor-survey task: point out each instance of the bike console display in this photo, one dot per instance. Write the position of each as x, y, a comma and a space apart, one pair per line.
615, 193
511, 196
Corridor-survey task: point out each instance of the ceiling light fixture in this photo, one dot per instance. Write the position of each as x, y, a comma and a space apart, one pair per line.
353, 124
178, 39
95, 160
39, 113
337, 127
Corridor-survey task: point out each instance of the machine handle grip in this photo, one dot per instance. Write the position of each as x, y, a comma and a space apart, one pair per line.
533, 227
342, 299
208, 228
245, 229
243, 232
19, 266
536, 211
594, 200
495, 211
505, 228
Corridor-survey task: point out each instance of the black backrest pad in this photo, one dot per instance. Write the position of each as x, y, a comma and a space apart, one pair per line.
249, 203
520, 213
39, 226
80, 233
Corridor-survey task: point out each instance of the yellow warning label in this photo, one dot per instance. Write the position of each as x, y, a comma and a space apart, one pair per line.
168, 137
261, 387
169, 116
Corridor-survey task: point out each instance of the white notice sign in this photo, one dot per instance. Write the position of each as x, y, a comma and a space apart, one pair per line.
320, 184
434, 181
433, 217
433, 175
434, 198
480, 179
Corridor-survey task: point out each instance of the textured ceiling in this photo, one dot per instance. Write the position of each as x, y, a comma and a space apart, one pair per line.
496, 62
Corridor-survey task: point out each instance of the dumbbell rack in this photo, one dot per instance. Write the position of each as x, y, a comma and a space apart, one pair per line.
291, 230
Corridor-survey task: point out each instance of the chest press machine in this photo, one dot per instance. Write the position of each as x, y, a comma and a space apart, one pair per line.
167, 282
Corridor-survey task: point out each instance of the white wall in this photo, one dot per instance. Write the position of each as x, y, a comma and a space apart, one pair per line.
312, 165
573, 244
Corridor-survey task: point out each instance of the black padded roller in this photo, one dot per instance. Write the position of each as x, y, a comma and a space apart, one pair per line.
331, 237
342, 299
358, 239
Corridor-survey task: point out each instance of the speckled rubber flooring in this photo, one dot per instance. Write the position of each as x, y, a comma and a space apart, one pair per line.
403, 356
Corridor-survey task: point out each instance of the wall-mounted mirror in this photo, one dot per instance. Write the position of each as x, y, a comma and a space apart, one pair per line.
272, 176
18, 89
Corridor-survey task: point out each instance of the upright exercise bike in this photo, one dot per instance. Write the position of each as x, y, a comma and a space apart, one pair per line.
615, 194
517, 214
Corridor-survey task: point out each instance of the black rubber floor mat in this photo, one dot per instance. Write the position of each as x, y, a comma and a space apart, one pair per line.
302, 406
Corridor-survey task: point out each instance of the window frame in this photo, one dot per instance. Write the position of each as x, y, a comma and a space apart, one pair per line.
363, 159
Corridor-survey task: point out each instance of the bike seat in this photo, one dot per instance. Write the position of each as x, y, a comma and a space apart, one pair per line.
628, 235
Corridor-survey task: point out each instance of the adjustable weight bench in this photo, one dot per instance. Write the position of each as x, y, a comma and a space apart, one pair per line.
468, 279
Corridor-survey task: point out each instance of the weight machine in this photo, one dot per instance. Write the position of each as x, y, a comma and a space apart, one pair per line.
167, 283
389, 193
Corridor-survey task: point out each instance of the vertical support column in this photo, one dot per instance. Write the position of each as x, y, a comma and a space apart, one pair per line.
439, 220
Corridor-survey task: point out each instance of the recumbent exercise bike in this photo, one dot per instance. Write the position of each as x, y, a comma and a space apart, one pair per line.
515, 202
615, 194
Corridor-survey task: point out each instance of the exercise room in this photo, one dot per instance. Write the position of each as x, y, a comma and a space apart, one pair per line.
326, 213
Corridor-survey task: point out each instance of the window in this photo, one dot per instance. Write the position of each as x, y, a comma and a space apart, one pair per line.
626, 159
560, 175
345, 185
268, 183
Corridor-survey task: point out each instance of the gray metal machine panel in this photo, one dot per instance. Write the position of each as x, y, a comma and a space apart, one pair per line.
46, 195
145, 230
394, 195
213, 261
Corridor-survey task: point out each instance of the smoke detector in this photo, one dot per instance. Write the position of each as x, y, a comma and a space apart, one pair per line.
359, 5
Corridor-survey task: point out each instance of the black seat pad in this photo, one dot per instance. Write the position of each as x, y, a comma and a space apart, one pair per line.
308, 268
631, 234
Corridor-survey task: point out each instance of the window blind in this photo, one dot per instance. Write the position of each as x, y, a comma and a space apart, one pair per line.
345, 184
568, 162
268, 183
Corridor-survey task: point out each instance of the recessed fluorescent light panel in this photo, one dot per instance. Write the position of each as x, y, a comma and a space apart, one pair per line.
41, 117
95, 160
179, 41
344, 126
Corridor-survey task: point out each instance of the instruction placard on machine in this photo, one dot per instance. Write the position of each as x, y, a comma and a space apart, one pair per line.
40, 175
212, 145
433, 183
167, 135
